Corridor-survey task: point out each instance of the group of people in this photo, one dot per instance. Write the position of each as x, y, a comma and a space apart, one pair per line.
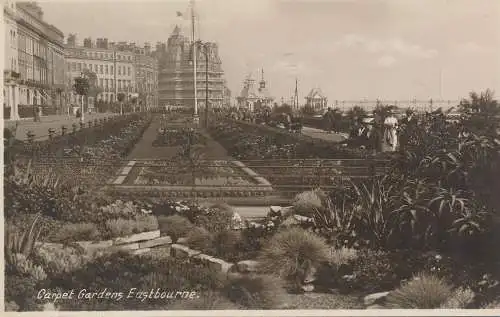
375, 132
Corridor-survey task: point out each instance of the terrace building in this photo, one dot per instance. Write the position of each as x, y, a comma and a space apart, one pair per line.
120, 68
34, 62
176, 76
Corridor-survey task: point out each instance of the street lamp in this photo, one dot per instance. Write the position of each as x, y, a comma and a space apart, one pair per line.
206, 52
82, 112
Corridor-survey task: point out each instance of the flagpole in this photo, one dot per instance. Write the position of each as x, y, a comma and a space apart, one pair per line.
195, 57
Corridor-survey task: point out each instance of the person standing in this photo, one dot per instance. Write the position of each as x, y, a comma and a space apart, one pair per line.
327, 120
390, 134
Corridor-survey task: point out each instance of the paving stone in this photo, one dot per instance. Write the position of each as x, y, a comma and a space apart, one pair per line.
125, 247
90, 245
141, 251
182, 252
220, 265
155, 242
375, 298
137, 237
247, 266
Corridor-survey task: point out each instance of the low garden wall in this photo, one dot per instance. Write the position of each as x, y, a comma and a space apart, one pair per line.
137, 243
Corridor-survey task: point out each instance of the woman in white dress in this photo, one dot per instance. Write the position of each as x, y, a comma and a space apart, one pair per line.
391, 135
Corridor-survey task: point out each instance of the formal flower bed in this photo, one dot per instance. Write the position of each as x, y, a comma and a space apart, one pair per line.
245, 141
178, 137
213, 173
86, 158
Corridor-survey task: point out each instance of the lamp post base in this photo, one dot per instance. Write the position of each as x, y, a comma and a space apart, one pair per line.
196, 119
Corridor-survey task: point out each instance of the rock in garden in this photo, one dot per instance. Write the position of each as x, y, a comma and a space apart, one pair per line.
307, 288
303, 218
375, 298
247, 266
275, 210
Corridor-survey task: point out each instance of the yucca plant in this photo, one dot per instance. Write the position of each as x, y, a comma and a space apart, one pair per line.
334, 219
376, 202
21, 243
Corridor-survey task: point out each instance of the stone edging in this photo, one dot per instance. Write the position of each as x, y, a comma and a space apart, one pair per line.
256, 177
229, 269
124, 173
136, 243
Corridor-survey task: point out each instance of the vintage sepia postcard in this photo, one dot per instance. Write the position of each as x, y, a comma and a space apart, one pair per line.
263, 158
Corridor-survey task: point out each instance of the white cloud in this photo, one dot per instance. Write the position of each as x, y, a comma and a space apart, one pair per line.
386, 61
392, 46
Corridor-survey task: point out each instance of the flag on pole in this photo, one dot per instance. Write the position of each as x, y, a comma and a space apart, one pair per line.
179, 14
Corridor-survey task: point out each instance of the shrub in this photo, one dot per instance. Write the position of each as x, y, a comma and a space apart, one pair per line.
20, 289
227, 244
343, 256
175, 226
293, 253
218, 217
308, 202
373, 271
200, 239
495, 304
59, 259
71, 232
125, 227
460, 299
256, 292
423, 292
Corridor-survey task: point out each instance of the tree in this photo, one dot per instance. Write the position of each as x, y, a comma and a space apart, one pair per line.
307, 110
481, 113
81, 88
284, 108
121, 97
94, 89
356, 113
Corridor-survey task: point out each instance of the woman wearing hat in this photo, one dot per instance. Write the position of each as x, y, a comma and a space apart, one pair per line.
390, 133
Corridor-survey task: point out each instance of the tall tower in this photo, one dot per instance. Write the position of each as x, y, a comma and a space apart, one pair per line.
262, 81
296, 96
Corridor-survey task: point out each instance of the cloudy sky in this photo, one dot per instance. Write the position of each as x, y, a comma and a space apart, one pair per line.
351, 49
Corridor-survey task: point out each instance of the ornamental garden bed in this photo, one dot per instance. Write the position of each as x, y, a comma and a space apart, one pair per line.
213, 173
215, 178
178, 137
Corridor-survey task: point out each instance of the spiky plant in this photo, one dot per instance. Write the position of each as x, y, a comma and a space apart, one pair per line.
423, 292
294, 254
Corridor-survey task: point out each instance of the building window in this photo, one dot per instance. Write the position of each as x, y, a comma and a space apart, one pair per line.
119, 70
107, 83
107, 68
100, 69
128, 70
112, 70
79, 67
101, 82
111, 97
73, 66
